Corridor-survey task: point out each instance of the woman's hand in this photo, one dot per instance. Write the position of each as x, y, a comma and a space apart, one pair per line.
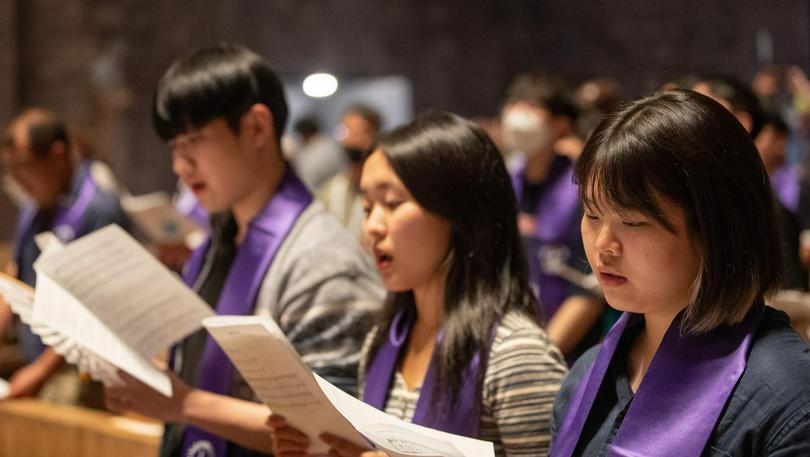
287, 441
135, 396
344, 448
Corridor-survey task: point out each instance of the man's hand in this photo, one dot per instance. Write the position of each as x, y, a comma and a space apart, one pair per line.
27, 381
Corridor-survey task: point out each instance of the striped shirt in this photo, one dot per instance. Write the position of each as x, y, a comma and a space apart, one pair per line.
524, 373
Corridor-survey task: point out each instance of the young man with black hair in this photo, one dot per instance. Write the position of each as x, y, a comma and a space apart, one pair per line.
39, 156
272, 252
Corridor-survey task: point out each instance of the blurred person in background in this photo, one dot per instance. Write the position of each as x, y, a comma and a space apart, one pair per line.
357, 133
538, 112
319, 157
741, 101
37, 152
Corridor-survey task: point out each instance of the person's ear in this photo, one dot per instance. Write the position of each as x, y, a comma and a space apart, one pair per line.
257, 123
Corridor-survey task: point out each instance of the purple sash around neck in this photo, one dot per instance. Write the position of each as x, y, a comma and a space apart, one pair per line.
264, 236
680, 399
557, 216
66, 217
431, 412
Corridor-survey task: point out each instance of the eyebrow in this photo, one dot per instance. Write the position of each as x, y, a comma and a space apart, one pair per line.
381, 187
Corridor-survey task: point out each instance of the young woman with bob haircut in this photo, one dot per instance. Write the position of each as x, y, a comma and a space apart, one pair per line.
457, 347
680, 229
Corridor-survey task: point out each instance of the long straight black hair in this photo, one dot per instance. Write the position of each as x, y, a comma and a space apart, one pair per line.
452, 169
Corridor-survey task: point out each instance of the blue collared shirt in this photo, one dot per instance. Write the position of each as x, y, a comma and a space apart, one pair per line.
768, 413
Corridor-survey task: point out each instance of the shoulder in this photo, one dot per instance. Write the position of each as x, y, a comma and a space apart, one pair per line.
772, 399
521, 348
319, 245
318, 233
103, 209
571, 382
321, 261
779, 360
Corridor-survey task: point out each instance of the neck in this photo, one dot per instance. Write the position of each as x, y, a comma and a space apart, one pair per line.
646, 345
429, 301
538, 165
62, 189
247, 207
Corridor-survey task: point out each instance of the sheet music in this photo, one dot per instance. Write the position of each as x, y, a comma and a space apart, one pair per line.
272, 368
400, 438
267, 361
112, 299
157, 217
126, 288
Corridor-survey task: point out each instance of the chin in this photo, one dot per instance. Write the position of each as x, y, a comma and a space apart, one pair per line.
623, 305
394, 286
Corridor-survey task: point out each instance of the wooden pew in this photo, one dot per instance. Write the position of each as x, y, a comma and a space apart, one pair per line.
31, 428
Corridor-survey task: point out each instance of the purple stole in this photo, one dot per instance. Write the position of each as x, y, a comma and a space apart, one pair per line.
431, 411
785, 183
557, 216
264, 236
65, 224
680, 399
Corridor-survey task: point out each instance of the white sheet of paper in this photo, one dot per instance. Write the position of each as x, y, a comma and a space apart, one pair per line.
272, 368
4, 387
155, 214
116, 300
18, 295
280, 378
400, 438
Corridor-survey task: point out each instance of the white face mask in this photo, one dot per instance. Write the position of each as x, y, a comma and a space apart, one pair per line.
525, 131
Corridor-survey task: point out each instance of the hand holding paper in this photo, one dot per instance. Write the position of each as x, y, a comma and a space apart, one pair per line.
104, 301
312, 405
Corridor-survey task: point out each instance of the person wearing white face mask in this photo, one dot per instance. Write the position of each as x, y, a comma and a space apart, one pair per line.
538, 112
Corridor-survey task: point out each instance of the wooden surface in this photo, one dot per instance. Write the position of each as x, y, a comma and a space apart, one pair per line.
31, 428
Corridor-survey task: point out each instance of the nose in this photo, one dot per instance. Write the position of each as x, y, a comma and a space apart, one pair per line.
607, 242
181, 164
374, 224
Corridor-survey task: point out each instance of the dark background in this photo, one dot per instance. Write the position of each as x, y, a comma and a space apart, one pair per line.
97, 62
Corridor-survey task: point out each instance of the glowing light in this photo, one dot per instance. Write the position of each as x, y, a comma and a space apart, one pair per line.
320, 85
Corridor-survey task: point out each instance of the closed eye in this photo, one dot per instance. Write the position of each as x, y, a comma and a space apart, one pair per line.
634, 224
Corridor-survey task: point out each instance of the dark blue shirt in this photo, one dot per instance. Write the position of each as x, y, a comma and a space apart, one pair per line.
102, 210
768, 413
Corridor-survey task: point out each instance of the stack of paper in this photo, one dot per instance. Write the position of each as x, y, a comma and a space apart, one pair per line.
157, 217
275, 371
104, 302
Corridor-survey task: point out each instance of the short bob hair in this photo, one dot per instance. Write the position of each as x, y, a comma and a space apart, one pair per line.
223, 80
688, 149
453, 170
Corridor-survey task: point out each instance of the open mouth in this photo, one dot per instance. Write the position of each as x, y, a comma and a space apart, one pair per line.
197, 188
383, 260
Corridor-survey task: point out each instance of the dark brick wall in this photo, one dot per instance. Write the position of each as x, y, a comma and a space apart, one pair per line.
98, 61
8, 95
